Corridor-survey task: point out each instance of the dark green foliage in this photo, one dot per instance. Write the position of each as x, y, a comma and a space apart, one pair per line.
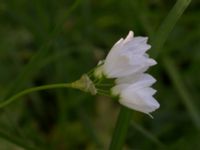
53, 41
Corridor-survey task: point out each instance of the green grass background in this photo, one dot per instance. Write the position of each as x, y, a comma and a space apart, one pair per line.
52, 41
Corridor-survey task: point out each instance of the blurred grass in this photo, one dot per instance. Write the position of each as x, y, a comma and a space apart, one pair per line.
45, 42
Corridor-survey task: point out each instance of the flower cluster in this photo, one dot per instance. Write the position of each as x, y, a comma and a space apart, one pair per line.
127, 62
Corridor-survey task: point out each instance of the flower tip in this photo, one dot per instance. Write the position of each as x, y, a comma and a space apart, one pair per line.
146, 39
157, 105
150, 115
119, 41
131, 33
153, 62
129, 36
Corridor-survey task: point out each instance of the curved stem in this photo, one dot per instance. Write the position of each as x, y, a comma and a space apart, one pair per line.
38, 88
121, 129
84, 84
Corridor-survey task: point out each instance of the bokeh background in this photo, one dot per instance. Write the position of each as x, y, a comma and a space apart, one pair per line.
53, 41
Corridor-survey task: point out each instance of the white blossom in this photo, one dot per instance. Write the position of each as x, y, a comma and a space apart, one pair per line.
135, 92
126, 63
127, 56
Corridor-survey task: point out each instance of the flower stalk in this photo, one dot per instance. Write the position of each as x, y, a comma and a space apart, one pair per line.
84, 84
121, 128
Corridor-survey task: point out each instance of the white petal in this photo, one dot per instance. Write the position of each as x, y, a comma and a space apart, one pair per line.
127, 57
134, 82
137, 45
137, 78
135, 92
140, 100
116, 90
129, 37
139, 106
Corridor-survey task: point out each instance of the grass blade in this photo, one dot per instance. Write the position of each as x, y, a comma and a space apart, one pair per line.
180, 87
167, 26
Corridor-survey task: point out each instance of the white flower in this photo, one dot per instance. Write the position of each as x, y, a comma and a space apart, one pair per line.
126, 62
135, 92
127, 56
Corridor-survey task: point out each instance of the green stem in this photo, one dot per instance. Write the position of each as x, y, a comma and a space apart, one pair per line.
121, 129
38, 88
84, 84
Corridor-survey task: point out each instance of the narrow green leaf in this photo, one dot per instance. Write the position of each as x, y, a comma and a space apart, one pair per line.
180, 87
167, 26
